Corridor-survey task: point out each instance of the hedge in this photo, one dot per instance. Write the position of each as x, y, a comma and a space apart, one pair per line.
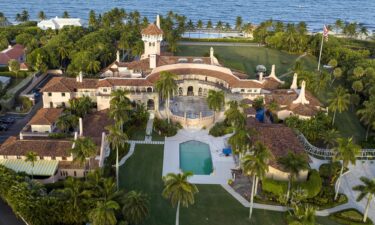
312, 186
21, 74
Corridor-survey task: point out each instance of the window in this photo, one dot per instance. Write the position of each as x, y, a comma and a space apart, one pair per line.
104, 89
63, 94
63, 104
49, 94
41, 157
5, 156
75, 173
63, 158
53, 157
242, 90
18, 157
51, 104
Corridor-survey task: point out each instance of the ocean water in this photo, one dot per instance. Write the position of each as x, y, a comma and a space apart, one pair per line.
314, 12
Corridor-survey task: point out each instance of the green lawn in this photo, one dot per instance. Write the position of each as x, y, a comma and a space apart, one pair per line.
247, 58
138, 134
214, 206
157, 137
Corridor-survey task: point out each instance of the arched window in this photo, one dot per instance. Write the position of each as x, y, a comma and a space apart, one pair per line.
149, 89
200, 92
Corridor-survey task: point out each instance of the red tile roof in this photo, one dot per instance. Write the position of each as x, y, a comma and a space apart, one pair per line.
152, 29
45, 116
43, 147
94, 125
68, 84
15, 52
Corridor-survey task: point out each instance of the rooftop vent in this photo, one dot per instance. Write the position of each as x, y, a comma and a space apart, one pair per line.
182, 60
197, 60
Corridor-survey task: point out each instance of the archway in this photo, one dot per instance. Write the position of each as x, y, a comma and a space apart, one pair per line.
150, 104
190, 91
180, 91
149, 89
200, 92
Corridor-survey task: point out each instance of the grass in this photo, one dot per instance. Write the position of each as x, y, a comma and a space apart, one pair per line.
138, 134
350, 217
213, 206
247, 58
157, 137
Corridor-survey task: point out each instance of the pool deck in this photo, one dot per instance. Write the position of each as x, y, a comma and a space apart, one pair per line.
222, 165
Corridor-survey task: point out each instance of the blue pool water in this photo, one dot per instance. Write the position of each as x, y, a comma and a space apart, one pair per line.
195, 156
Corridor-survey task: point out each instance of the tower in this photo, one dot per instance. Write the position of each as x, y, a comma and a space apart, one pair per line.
301, 99
152, 36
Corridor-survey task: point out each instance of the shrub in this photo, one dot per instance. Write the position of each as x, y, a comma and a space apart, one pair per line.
349, 216
312, 186
166, 129
220, 129
330, 172
59, 135
25, 103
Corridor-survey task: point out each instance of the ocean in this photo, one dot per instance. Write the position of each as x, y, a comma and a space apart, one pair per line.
314, 12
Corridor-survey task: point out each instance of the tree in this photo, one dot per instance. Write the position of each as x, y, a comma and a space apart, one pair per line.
93, 23
31, 157
166, 86
358, 72
3, 42
234, 116
367, 114
339, 24
199, 27
329, 137
117, 138
338, 100
337, 73
65, 14
67, 122
303, 214
104, 213
119, 107
215, 101
293, 163
23, 17
84, 148
238, 23
347, 152
41, 15
209, 24
240, 142
365, 189
135, 208
179, 191
39, 65
14, 66
256, 165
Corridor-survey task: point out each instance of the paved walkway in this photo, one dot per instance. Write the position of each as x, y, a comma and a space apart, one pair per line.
225, 44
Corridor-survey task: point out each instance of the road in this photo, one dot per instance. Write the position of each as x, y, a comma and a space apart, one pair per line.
7, 217
226, 44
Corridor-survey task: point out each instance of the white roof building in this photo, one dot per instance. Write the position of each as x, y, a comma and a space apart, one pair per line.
58, 23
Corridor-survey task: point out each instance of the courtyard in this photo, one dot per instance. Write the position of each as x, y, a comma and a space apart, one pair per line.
143, 172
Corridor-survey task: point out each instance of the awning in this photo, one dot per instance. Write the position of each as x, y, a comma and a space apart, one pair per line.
41, 167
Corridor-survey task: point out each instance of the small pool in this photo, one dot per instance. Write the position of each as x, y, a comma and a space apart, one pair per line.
195, 156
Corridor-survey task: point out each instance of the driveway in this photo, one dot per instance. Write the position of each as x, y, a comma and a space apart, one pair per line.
7, 217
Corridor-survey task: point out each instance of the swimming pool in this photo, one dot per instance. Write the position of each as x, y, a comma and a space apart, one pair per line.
195, 156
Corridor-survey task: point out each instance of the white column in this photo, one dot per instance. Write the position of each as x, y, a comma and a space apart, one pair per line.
118, 56
80, 127
260, 76
158, 21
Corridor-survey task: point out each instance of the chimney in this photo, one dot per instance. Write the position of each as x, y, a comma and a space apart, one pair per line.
261, 76
118, 56
21, 136
80, 127
273, 73
212, 55
158, 21
301, 97
80, 77
294, 85
152, 59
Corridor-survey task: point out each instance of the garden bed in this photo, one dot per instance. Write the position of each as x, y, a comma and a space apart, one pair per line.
350, 217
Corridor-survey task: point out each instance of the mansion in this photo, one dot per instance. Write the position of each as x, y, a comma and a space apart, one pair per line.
195, 77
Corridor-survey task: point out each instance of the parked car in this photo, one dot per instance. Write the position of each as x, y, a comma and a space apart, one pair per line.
7, 120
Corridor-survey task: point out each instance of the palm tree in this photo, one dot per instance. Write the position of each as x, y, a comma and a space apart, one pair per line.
215, 101
240, 142
293, 164
329, 137
84, 148
93, 66
367, 114
65, 14
303, 214
166, 86
66, 122
338, 25
235, 116
256, 165
31, 157
42, 15
338, 100
199, 27
135, 208
347, 152
104, 213
238, 23
368, 189
117, 138
179, 191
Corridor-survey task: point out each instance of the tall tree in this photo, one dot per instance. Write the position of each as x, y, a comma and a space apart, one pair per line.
366, 189
42, 15
179, 191
338, 100
65, 14
119, 107
84, 149
346, 151
367, 114
14, 66
293, 163
67, 122
167, 87
104, 213
339, 24
238, 23
256, 165
117, 138
215, 101
31, 157
330, 137
93, 23
135, 208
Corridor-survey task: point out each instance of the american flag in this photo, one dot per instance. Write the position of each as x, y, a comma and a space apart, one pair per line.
325, 32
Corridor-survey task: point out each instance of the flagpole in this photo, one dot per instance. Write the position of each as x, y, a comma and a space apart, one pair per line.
321, 49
